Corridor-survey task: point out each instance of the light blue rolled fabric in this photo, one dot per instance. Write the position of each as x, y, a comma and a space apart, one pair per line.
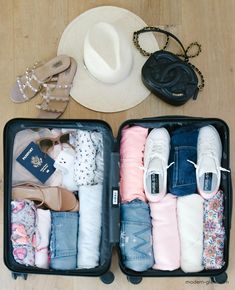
90, 223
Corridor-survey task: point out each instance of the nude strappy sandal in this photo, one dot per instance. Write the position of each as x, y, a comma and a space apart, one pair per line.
55, 95
53, 197
30, 83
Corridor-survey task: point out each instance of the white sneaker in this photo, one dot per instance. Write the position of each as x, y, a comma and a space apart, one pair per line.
156, 155
208, 169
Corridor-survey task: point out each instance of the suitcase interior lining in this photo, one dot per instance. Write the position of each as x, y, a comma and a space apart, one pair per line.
105, 247
171, 124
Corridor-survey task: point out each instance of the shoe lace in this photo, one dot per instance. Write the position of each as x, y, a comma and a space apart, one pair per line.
158, 149
196, 166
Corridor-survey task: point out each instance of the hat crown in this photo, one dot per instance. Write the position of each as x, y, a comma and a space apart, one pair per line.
107, 53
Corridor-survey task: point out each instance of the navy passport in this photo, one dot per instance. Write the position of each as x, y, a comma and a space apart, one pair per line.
37, 162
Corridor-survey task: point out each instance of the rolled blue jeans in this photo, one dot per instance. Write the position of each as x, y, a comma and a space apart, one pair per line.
63, 243
136, 237
182, 174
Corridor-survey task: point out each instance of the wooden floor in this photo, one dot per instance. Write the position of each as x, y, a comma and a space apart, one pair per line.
30, 30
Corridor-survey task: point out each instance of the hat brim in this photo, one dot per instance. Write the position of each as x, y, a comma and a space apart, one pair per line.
90, 92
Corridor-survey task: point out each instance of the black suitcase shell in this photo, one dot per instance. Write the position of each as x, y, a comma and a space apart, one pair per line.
111, 210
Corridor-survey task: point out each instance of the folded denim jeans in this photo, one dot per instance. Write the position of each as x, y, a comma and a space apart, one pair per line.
182, 174
136, 237
63, 243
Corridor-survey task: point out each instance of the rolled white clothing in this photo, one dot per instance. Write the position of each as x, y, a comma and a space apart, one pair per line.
90, 222
43, 231
65, 164
190, 223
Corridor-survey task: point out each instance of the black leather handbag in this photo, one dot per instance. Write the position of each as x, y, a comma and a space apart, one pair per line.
165, 74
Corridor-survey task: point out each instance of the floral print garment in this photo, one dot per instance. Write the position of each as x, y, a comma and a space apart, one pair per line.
23, 220
214, 232
89, 163
84, 166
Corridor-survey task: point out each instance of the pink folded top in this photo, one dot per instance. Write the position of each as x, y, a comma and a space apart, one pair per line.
131, 163
166, 242
43, 230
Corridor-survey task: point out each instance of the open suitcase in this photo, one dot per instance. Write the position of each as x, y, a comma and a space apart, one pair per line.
111, 201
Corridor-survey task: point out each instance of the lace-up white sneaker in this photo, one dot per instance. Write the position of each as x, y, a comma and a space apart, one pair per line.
208, 169
156, 155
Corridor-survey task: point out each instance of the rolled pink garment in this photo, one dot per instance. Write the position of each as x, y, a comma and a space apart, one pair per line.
131, 163
166, 242
43, 231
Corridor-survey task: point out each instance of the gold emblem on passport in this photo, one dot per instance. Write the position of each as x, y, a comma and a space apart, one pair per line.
36, 161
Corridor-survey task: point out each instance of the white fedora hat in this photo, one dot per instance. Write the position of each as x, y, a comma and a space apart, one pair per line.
108, 77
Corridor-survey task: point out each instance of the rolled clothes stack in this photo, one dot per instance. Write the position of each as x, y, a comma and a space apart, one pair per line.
135, 237
88, 175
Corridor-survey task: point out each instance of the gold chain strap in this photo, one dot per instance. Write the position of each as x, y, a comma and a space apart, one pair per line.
137, 45
201, 86
199, 50
185, 55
